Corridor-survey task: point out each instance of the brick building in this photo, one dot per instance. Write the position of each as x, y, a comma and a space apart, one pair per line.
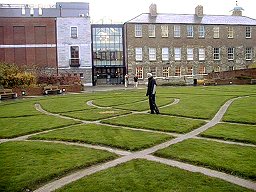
56, 39
178, 47
28, 41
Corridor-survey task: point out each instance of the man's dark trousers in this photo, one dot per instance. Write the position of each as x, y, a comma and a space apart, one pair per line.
152, 104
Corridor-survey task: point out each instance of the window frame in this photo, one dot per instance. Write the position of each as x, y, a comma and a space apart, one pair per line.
190, 31
216, 55
216, 32
164, 31
74, 57
202, 69
138, 30
153, 71
248, 52
177, 71
139, 72
230, 32
176, 54
74, 34
166, 71
190, 54
176, 31
165, 54
138, 54
151, 54
201, 54
231, 54
201, 31
248, 32
151, 30
189, 70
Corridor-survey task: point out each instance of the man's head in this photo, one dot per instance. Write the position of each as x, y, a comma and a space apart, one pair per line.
149, 75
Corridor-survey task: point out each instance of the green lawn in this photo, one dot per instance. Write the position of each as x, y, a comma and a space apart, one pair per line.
114, 99
233, 132
13, 127
146, 176
233, 159
157, 122
242, 111
32, 163
95, 114
144, 105
106, 135
196, 106
18, 109
26, 165
67, 103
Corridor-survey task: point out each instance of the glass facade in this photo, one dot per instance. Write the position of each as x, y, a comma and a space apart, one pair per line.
108, 54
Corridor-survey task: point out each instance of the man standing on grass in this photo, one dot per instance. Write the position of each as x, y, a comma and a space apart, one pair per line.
151, 93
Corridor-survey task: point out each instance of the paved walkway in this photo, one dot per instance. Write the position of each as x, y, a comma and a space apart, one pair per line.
146, 154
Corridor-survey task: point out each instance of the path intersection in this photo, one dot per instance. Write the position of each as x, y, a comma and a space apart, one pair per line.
143, 154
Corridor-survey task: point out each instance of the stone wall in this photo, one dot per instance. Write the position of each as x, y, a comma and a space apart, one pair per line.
239, 42
83, 41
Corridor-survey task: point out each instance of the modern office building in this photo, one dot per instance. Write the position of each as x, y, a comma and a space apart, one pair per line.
178, 47
56, 39
108, 54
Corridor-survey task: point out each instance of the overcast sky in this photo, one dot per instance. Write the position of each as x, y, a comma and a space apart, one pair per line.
124, 10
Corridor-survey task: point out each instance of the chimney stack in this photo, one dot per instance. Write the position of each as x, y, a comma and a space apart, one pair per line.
153, 10
199, 11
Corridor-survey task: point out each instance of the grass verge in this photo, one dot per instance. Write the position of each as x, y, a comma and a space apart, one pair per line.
95, 114
233, 159
18, 109
146, 176
242, 111
144, 105
106, 135
26, 165
14, 127
196, 106
157, 122
232, 132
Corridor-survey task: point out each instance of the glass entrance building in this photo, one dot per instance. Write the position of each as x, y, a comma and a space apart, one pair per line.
108, 54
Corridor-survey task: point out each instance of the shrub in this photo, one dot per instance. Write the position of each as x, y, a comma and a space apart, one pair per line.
61, 80
181, 83
11, 76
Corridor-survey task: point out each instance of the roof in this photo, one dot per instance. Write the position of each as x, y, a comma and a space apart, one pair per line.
193, 19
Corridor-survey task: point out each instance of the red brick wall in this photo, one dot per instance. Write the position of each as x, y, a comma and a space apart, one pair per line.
242, 73
25, 31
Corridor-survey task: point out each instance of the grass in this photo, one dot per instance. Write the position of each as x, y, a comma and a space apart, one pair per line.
242, 111
30, 164
106, 135
233, 159
157, 122
13, 127
146, 176
26, 165
196, 106
233, 132
18, 109
144, 105
60, 104
95, 114
115, 99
